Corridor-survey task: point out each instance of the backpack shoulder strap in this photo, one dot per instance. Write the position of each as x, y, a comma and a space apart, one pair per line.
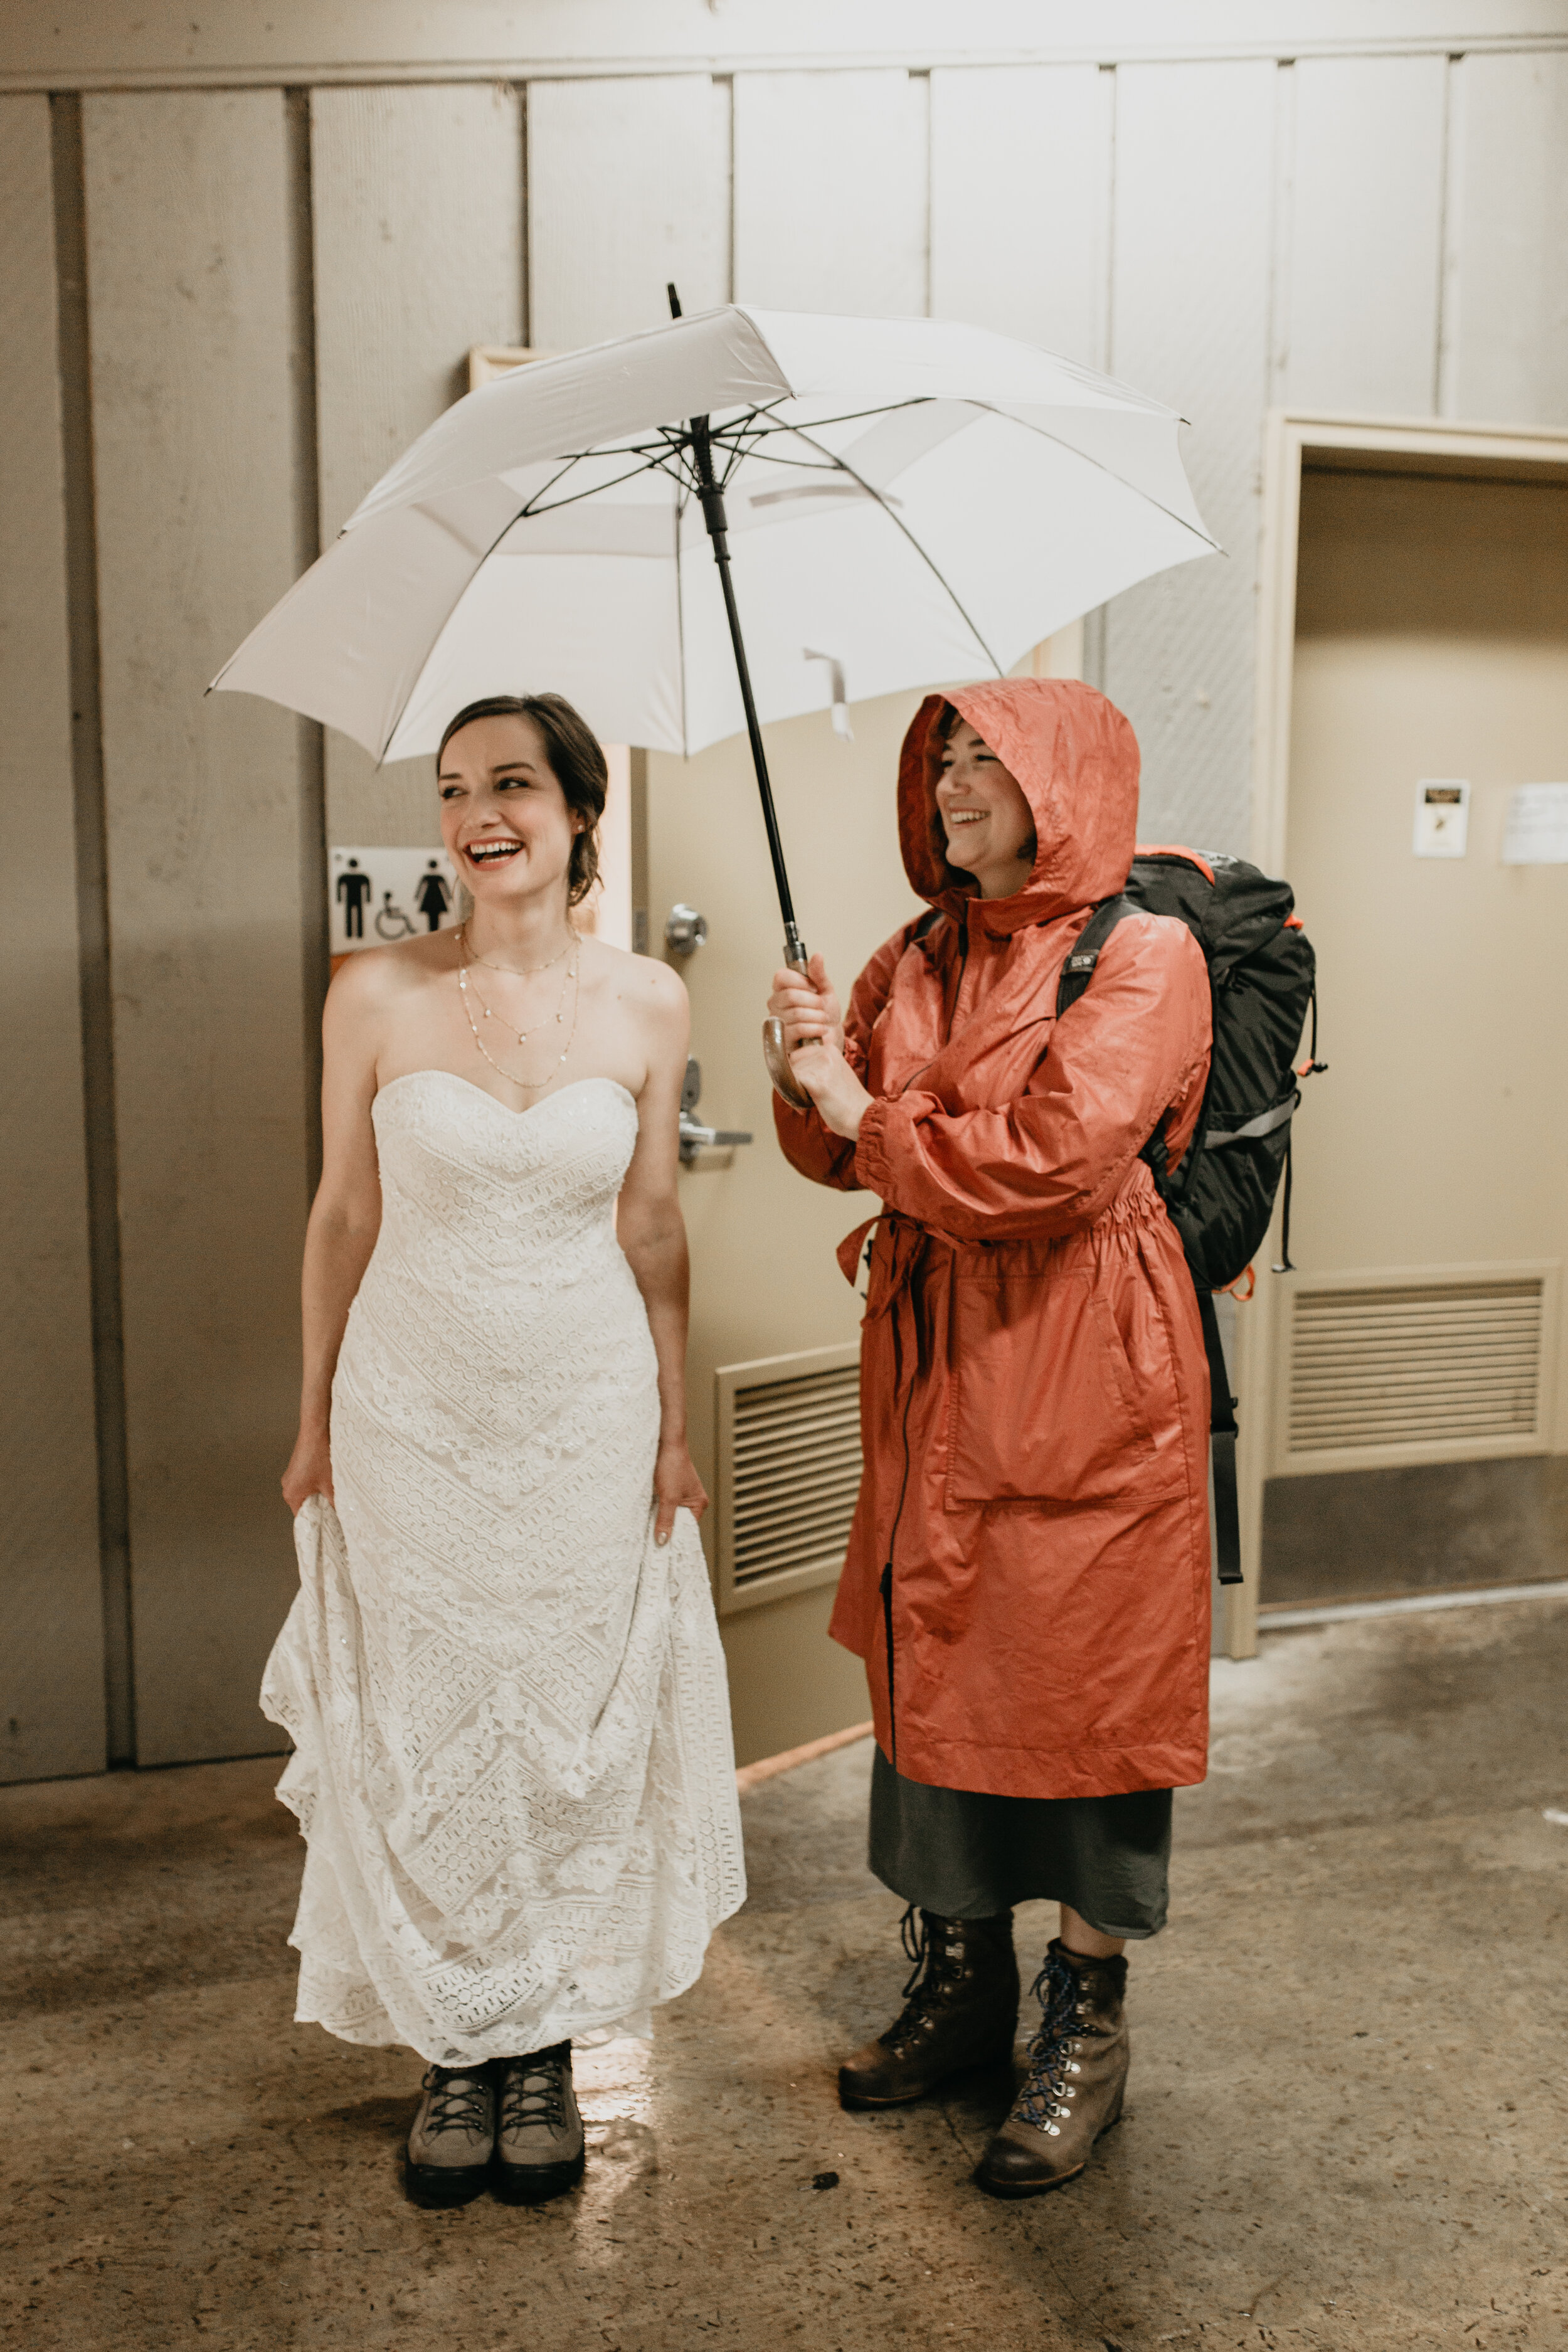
1078, 969
1222, 1445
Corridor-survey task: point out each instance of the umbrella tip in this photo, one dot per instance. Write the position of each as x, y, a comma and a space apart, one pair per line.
674, 298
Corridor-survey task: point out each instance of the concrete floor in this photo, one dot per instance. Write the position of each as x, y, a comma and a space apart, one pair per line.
1344, 2129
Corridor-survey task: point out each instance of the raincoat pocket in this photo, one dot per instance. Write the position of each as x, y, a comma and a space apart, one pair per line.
1044, 1406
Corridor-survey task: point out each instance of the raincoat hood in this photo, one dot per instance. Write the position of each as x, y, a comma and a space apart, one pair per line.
1076, 758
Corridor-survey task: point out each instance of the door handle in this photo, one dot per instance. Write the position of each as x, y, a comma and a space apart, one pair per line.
695, 1138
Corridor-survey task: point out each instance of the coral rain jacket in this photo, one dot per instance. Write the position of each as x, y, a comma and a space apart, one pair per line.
1027, 1577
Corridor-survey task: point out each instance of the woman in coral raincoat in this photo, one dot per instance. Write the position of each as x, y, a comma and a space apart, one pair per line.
1027, 1577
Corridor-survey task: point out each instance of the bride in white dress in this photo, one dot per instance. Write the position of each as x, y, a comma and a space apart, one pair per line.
502, 1676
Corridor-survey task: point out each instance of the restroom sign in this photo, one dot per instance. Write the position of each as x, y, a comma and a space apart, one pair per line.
378, 897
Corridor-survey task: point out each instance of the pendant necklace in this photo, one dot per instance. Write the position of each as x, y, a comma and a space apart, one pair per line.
526, 972
468, 989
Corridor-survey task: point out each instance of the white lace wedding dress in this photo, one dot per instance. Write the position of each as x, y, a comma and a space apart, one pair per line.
513, 1768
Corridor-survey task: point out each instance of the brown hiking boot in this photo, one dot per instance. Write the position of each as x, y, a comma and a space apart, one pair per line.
1076, 2075
961, 2010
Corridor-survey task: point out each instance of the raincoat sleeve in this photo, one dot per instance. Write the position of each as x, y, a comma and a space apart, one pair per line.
1052, 1160
806, 1143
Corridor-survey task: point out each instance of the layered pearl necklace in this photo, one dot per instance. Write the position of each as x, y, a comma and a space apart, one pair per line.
469, 992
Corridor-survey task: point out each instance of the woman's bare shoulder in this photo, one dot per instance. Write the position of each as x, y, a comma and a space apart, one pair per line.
373, 979
646, 987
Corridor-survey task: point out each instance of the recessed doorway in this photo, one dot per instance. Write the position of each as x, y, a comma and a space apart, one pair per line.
1405, 1426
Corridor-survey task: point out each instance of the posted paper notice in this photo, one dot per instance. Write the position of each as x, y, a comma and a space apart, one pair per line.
1536, 833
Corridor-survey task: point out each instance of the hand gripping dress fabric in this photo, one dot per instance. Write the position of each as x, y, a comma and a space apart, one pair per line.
513, 1767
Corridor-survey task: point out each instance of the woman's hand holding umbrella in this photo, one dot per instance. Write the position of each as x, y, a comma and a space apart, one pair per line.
814, 1034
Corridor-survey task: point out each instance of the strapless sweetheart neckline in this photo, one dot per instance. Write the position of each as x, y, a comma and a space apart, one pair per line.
406, 1076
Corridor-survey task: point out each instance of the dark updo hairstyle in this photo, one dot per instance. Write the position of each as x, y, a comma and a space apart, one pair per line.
576, 761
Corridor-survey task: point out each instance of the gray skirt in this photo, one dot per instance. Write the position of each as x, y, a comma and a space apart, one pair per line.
967, 1856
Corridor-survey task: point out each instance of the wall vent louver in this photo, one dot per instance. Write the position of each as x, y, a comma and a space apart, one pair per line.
788, 1471
1415, 1370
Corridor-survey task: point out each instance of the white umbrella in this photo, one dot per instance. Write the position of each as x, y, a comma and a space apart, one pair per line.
902, 502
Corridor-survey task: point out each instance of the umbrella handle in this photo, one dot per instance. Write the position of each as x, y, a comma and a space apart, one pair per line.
776, 1054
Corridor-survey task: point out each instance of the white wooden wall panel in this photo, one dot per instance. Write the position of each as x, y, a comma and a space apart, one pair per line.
1365, 247
1190, 323
1508, 330
418, 196
830, 191
192, 324
1020, 203
629, 186
51, 1625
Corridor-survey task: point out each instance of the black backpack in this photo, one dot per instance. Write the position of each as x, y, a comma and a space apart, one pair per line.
1262, 984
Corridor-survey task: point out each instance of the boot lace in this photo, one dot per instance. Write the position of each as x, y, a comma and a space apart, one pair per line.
931, 1955
534, 2091
461, 2101
1042, 2099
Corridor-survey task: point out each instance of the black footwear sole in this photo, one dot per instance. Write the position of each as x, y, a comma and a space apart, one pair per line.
865, 2102
437, 2186
1025, 2188
532, 2184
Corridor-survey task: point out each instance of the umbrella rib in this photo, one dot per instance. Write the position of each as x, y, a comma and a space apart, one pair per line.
849, 415
403, 706
654, 465
802, 464
988, 409
871, 492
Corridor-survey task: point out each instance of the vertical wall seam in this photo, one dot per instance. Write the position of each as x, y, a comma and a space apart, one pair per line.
525, 206
1444, 357
1108, 243
1096, 624
93, 928
314, 937
1282, 239
728, 81
929, 126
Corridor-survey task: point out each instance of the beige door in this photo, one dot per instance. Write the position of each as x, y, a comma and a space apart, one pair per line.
1417, 1432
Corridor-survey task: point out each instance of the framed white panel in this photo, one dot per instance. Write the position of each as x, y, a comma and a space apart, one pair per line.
830, 191
1508, 290
1364, 235
1190, 322
1020, 203
418, 196
787, 1473
188, 224
51, 1624
1444, 1363
629, 186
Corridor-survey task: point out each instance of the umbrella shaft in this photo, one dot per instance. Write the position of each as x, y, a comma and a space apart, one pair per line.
759, 756
713, 515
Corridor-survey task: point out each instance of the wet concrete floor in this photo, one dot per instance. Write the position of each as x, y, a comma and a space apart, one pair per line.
1344, 2128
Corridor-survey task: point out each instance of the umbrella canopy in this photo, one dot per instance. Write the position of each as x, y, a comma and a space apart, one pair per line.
908, 502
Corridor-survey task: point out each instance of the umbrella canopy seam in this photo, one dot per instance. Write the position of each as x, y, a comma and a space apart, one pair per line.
897, 522
1060, 441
